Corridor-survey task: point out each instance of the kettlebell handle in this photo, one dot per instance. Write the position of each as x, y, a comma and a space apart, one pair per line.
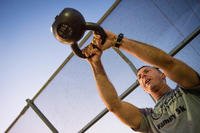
97, 29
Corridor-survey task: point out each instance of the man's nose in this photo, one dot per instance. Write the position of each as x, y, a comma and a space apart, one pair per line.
143, 76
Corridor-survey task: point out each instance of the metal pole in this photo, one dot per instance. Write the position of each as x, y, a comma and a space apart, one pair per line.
13, 123
183, 43
41, 115
126, 59
103, 112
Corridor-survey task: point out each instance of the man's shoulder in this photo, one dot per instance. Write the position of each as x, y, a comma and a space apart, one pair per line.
193, 90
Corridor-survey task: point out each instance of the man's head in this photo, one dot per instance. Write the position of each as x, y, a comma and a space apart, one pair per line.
151, 78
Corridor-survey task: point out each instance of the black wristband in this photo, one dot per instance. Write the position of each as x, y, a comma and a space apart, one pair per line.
119, 39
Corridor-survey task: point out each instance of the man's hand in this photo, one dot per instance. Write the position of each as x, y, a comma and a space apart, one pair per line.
110, 40
93, 51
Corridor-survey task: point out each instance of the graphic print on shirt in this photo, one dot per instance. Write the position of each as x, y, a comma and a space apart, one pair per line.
167, 111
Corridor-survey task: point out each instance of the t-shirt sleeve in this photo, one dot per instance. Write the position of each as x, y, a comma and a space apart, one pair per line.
144, 126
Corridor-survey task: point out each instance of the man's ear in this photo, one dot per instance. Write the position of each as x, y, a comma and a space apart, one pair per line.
163, 76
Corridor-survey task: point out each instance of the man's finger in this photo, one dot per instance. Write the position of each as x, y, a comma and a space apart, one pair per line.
96, 47
96, 36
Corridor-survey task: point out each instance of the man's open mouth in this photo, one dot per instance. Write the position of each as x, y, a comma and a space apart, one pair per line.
147, 81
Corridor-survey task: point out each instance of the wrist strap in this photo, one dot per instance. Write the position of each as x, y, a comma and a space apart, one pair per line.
119, 40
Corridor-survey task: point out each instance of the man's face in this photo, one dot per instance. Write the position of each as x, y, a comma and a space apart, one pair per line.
150, 79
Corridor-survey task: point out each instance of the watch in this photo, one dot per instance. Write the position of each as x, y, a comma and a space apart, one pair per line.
119, 40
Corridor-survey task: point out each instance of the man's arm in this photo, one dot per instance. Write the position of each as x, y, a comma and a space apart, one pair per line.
173, 68
127, 113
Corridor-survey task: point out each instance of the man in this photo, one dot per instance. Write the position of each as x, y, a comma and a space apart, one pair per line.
176, 111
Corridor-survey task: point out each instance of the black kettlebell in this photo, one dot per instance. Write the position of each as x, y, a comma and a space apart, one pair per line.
70, 26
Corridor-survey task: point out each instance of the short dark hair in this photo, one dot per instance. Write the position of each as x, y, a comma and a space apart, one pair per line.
148, 66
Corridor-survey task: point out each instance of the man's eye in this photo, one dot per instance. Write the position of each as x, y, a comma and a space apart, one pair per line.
146, 71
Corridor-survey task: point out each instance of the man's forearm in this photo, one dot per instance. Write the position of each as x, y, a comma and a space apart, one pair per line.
146, 53
105, 88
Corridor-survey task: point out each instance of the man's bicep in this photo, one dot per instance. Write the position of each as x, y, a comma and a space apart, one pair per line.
129, 114
182, 74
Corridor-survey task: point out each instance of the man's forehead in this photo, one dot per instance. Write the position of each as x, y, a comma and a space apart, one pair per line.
143, 69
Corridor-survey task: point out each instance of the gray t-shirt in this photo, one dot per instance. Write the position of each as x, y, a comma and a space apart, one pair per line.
178, 111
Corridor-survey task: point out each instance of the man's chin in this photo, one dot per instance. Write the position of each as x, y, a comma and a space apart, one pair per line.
153, 89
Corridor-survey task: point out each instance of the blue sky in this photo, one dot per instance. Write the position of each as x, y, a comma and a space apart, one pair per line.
28, 51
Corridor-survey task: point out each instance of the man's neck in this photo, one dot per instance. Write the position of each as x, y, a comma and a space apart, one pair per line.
161, 92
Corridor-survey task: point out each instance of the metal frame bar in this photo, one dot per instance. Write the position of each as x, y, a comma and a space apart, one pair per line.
41, 115
16, 119
105, 111
183, 43
126, 59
